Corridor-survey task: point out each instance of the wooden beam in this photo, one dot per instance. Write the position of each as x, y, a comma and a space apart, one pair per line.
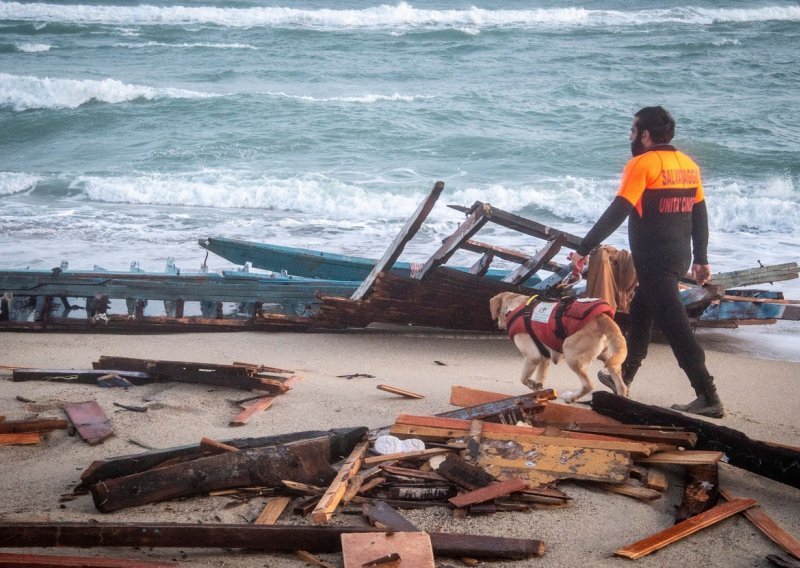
493, 409
430, 452
408, 231
272, 510
781, 463
489, 492
20, 439
258, 406
90, 421
772, 530
536, 262
684, 529
10, 560
330, 500
685, 457
401, 392
700, 490
476, 219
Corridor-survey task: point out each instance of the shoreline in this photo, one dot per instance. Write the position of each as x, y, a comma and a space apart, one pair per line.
760, 397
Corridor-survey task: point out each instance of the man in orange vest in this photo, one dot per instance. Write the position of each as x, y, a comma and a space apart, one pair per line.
661, 194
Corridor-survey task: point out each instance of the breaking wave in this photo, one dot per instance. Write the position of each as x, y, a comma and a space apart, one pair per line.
24, 92
401, 15
14, 182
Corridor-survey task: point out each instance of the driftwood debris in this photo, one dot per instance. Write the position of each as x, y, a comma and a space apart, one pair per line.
768, 526
333, 495
337, 443
90, 421
9, 560
273, 538
387, 549
231, 376
304, 461
781, 463
399, 391
684, 529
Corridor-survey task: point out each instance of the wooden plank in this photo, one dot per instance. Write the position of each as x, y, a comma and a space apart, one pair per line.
90, 421
217, 446
412, 550
356, 482
401, 392
572, 414
330, 500
767, 525
309, 558
684, 529
465, 396
272, 510
372, 460
543, 256
304, 461
473, 223
408, 231
413, 473
489, 492
545, 463
684, 457
631, 490
656, 479
10, 560
259, 405
453, 428
780, 463
650, 434
20, 439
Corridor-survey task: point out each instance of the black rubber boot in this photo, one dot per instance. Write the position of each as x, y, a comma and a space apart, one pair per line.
706, 404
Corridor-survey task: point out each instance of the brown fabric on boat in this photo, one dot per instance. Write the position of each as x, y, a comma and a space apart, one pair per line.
612, 277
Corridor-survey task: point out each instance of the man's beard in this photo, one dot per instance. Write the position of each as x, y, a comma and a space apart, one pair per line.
637, 148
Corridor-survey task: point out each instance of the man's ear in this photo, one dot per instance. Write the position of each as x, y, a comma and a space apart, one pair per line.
645, 138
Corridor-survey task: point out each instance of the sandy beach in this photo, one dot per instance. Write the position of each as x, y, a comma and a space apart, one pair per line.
760, 396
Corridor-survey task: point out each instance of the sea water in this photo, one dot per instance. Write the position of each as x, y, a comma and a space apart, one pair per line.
130, 130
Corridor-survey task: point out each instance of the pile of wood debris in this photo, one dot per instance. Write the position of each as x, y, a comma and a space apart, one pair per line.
495, 453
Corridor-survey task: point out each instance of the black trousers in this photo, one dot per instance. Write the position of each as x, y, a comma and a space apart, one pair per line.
657, 302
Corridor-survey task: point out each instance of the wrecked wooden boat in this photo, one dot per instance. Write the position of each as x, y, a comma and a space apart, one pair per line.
318, 290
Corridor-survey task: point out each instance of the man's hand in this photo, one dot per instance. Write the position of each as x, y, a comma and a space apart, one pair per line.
577, 262
701, 273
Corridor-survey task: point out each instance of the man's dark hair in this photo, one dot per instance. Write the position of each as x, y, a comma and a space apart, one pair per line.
658, 122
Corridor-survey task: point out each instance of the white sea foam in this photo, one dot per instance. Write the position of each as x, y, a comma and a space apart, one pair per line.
33, 47
24, 92
368, 98
187, 45
16, 182
401, 15
734, 206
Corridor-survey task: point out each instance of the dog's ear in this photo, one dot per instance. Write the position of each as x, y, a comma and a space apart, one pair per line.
495, 303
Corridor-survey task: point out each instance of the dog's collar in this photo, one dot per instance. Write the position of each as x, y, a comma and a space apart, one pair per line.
531, 299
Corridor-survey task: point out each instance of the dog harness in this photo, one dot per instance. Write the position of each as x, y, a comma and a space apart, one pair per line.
550, 323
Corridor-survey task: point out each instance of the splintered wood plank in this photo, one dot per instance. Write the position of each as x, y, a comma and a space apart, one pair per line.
414, 548
272, 510
216, 446
684, 529
40, 425
257, 406
768, 526
631, 490
331, 498
685, 457
401, 392
489, 492
555, 412
454, 428
405, 455
465, 396
21, 439
54, 561
544, 463
313, 560
90, 421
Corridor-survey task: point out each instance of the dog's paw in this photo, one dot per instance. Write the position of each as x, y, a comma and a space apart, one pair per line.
531, 384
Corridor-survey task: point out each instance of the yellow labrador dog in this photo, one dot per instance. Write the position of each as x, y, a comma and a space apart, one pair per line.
586, 333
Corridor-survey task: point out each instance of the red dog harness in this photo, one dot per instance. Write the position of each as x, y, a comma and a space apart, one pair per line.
550, 323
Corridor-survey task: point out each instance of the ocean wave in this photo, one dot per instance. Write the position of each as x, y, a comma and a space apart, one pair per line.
368, 98
401, 15
16, 182
33, 47
24, 92
734, 206
186, 45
